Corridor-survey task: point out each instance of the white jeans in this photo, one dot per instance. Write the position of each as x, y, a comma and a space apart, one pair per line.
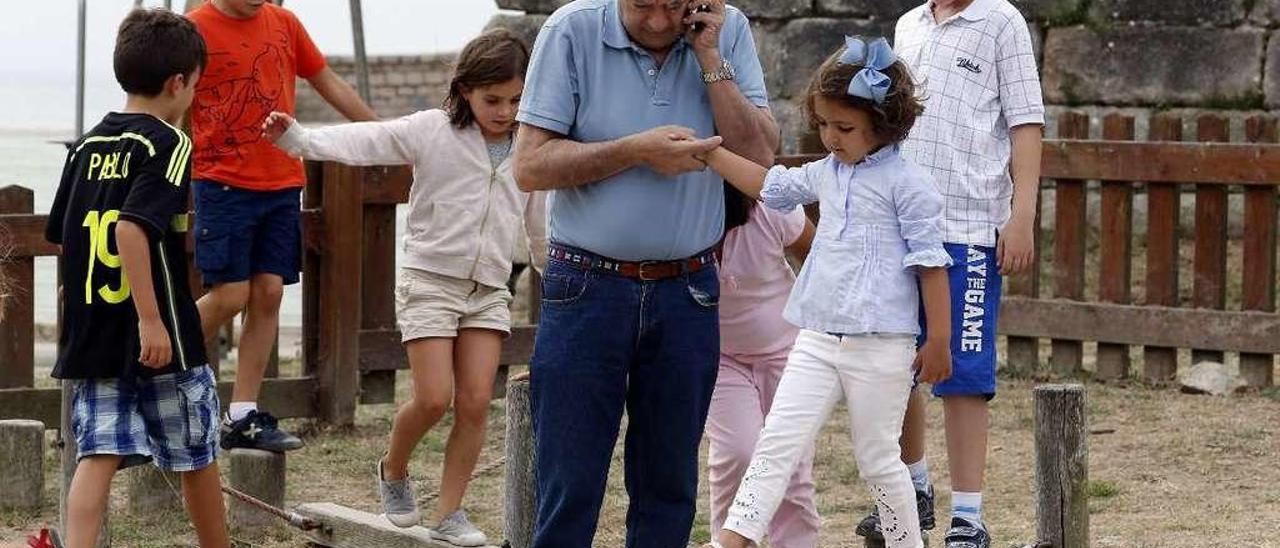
873, 372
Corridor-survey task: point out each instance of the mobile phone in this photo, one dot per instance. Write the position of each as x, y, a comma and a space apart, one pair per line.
701, 8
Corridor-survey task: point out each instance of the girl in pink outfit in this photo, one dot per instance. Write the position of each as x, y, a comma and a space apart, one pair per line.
755, 282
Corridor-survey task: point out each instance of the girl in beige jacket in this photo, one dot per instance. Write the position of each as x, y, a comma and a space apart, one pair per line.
452, 302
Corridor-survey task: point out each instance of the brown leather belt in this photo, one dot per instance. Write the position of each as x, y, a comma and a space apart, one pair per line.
639, 270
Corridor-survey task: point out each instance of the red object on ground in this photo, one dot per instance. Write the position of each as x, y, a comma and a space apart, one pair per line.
45, 540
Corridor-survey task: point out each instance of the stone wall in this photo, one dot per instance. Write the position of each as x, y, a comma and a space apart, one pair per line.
399, 85
1135, 56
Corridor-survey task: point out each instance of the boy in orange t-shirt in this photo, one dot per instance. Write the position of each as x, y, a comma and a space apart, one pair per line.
248, 236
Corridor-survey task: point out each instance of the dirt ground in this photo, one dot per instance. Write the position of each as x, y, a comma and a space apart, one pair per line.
1178, 471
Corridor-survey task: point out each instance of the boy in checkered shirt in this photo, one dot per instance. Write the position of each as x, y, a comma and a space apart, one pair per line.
980, 137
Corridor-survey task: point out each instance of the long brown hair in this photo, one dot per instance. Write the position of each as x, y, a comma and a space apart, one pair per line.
494, 57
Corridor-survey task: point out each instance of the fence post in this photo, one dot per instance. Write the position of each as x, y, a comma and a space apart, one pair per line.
21, 464
1210, 287
261, 475
377, 293
154, 490
1062, 466
1160, 364
312, 235
1069, 233
17, 342
1115, 253
1259, 283
339, 307
519, 504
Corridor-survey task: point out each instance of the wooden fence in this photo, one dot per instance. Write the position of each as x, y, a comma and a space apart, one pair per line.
351, 348
1057, 304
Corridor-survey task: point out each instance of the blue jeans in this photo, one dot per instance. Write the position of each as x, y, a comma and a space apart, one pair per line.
605, 341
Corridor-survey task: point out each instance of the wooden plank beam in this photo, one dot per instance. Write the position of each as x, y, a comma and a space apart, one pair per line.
350, 528
387, 185
1207, 163
25, 234
286, 398
1131, 324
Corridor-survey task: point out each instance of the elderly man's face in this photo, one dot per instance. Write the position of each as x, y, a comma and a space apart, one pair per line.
654, 24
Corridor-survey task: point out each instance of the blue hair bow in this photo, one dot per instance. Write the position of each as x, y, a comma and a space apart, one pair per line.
870, 82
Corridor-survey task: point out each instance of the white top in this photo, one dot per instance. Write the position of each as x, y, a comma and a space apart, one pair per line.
979, 80
465, 214
880, 220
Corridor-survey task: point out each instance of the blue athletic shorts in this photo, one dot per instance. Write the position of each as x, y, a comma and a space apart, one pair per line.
241, 232
170, 418
975, 305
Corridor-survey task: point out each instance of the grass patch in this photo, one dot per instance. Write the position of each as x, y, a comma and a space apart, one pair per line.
1102, 489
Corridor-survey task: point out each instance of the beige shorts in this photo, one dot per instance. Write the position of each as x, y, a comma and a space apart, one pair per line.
434, 305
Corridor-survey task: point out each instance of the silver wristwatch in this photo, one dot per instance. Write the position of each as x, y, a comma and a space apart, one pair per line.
725, 73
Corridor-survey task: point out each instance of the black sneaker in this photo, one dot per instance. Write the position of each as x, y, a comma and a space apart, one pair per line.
869, 527
257, 430
966, 534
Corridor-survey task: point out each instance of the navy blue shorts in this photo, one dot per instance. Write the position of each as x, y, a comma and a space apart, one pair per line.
241, 232
975, 305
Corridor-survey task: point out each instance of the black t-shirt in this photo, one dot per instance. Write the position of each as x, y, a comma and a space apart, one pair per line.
134, 167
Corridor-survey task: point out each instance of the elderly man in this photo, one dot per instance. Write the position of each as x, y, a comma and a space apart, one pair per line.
621, 99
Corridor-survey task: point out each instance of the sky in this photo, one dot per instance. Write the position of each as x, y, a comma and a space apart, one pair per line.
38, 47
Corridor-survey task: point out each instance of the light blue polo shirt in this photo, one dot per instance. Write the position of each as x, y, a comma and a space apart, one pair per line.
588, 81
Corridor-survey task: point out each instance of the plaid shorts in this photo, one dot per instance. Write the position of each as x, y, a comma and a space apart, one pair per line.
170, 418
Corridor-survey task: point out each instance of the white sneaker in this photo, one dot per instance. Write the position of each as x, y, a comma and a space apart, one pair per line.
457, 530
398, 503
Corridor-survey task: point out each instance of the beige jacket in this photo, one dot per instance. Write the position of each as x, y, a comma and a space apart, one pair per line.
464, 215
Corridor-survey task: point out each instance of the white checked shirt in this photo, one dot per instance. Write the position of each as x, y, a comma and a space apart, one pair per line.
979, 80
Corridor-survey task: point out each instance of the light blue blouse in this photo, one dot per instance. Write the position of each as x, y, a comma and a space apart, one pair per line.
881, 220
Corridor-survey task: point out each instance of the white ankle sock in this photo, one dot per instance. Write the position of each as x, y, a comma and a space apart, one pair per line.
241, 409
967, 506
920, 474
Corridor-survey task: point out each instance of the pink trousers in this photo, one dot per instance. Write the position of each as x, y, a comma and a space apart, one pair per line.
744, 392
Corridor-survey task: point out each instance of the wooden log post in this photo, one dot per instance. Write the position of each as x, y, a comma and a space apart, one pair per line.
17, 322
1259, 282
377, 294
21, 464
1023, 359
519, 505
1070, 226
339, 294
1160, 364
312, 240
152, 490
1062, 466
261, 475
1115, 249
1210, 287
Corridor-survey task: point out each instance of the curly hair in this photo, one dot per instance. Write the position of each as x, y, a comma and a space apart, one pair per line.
890, 120
494, 57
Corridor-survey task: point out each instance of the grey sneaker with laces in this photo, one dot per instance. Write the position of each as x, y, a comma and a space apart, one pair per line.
457, 530
398, 503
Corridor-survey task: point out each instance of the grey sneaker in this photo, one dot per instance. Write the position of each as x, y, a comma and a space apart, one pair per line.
457, 530
398, 502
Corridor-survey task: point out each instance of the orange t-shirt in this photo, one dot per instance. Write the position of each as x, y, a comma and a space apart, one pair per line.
253, 68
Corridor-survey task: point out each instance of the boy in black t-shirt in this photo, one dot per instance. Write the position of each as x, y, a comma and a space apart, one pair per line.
131, 340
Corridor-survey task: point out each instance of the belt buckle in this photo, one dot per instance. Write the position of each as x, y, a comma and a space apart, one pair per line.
640, 271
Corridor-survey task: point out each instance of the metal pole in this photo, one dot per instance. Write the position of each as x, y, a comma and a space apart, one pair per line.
362, 62
80, 70
168, 4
